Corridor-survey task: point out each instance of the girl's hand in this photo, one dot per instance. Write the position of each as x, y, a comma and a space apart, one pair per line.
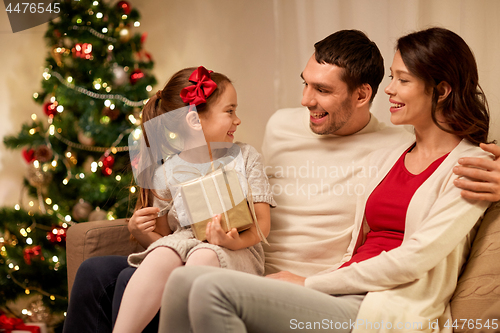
217, 236
143, 221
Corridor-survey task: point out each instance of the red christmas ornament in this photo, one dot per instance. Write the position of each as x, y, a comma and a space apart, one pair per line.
82, 50
43, 153
107, 165
143, 37
125, 6
136, 75
31, 253
29, 155
57, 235
143, 54
49, 108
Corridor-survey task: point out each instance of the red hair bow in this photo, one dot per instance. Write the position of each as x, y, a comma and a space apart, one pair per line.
203, 86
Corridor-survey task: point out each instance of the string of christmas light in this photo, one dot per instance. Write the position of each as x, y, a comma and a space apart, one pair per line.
41, 200
29, 289
92, 148
99, 96
63, 218
119, 203
96, 33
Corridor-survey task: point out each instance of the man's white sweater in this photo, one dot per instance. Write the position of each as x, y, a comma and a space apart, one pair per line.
316, 180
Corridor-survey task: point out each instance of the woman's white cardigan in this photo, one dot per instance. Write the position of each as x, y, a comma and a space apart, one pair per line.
410, 286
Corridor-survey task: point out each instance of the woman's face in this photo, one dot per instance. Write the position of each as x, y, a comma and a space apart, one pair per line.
219, 121
411, 101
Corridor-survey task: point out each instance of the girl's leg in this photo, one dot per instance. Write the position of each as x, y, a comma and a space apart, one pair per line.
174, 316
174, 307
142, 296
121, 284
203, 257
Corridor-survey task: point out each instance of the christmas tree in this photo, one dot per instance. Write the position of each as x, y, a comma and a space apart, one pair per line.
95, 82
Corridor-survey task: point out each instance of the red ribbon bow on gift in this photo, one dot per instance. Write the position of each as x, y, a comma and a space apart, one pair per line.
203, 86
9, 324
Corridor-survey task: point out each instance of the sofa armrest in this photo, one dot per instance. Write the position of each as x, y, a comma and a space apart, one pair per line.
98, 238
479, 285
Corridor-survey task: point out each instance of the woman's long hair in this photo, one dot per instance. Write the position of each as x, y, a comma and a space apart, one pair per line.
436, 55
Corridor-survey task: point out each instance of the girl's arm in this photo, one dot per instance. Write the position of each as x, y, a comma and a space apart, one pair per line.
146, 227
232, 239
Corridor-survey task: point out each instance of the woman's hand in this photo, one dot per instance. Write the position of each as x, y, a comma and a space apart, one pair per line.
143, 221
217, 236
288, 277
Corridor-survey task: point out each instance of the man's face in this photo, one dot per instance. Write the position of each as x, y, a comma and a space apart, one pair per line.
326, 96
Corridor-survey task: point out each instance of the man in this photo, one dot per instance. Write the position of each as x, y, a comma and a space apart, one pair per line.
314, 163
325, 145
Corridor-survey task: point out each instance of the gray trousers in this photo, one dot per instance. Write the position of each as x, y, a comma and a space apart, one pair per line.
215, 300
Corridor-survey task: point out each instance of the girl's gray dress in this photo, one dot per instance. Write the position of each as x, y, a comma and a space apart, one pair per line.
182, 240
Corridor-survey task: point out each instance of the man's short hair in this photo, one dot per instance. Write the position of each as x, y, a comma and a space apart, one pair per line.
353, 51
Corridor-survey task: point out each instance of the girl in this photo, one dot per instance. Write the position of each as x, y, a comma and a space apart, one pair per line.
215, 99
412, 232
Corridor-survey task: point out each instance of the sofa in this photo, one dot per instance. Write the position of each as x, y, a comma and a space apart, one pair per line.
476, 297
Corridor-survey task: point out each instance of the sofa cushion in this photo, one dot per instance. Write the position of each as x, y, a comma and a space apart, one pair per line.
479, 285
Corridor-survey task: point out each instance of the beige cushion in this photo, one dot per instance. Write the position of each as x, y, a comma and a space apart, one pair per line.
479, 285
492, 319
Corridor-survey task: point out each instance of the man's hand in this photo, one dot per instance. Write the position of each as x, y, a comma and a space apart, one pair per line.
288, 277
485, 175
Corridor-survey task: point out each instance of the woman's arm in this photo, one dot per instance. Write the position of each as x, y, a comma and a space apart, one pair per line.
235, 241
447, 224
146, 227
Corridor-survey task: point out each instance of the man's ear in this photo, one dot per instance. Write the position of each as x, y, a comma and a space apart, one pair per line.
193, 120
364, 94
444, 89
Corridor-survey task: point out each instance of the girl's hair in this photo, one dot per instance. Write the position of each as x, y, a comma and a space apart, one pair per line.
436, 55
168, 99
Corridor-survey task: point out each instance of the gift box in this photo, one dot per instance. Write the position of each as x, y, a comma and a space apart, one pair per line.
32, 328
16, 325
219, 192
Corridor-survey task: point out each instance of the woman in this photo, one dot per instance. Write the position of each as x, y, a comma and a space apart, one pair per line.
412, 231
